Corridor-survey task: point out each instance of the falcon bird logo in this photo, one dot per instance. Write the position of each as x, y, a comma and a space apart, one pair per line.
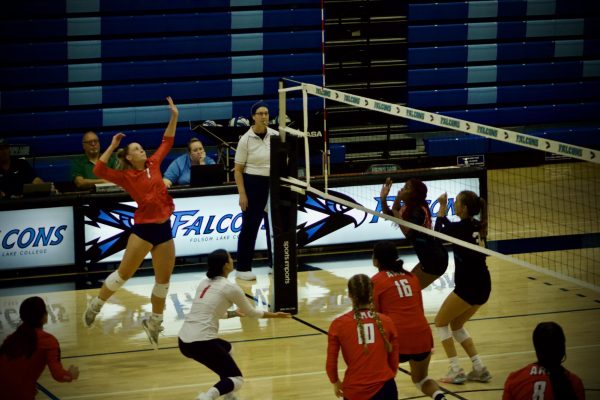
120, 218
334, 216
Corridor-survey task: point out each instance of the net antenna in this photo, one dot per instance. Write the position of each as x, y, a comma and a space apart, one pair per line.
524, 203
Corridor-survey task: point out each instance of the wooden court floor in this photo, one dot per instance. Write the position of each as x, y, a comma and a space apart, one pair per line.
285, 359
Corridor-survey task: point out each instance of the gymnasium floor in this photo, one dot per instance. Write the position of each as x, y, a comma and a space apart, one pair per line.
285, 359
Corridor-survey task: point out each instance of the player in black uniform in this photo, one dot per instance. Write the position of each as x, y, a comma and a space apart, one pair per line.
472, 283
411, 205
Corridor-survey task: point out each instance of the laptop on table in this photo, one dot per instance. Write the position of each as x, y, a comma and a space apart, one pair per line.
207, 175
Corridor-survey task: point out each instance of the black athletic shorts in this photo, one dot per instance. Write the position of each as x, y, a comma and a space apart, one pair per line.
414, 357
433, 257
154, 233
388, 391
475, 289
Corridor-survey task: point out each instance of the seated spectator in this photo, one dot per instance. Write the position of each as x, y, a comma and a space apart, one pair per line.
14, 173
178, 172
82, 169
25, 353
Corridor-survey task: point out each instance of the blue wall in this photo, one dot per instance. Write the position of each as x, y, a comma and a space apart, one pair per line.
72, 66
505, 63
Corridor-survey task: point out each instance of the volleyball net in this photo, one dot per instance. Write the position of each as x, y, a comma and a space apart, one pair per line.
545, 218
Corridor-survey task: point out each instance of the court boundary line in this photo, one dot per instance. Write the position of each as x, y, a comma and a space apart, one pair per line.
47, 392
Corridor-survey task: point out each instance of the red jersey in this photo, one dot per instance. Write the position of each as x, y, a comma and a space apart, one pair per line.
146, 187
532, 382
398, 295
367, 372
19, 376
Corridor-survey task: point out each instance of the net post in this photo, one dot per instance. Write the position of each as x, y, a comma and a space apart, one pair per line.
282, 110
284, 209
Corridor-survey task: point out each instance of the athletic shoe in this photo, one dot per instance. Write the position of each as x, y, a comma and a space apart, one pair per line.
455, 377
245, 275
481, 375
89, 316
203, 396
230, 396
152, 329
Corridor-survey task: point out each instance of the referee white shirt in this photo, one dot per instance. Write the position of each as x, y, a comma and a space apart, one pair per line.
254, 153
212, 300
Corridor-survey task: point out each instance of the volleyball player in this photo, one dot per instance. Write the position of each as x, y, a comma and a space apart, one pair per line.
198, 336
369, 345
545, 379
433, 257
397, 294
472, 284
25, 353
142, 179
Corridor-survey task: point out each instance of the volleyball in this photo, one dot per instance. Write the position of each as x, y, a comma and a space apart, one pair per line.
239, 121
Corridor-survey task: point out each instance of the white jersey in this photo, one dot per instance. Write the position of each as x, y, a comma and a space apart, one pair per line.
212, 300
254, 153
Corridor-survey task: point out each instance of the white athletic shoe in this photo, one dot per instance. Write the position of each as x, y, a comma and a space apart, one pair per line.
203, 396
89, 316
152, 329
455, 377
245, 275
482, 375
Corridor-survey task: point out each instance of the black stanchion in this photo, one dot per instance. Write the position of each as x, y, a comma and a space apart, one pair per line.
284, 209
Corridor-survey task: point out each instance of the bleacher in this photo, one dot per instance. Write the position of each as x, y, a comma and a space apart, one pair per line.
70, 66
524, 65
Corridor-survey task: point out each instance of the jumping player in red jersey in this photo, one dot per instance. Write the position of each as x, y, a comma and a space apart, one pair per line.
397, 294
26, 352
472, 284
369, 346
545, 379
411, 205
142, 179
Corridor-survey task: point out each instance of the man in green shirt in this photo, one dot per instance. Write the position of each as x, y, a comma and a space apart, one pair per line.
82, 169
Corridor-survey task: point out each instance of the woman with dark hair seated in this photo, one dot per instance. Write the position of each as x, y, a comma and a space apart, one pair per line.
26, 352
198, 336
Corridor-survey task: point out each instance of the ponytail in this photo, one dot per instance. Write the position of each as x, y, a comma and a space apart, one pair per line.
386, 253
360, 290
122, 161
550, 347
216, 261
476, 205
23, 342
483, 220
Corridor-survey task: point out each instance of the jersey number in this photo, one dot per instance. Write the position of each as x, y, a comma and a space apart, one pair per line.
404, 289
204, 292
539, 388
369, 330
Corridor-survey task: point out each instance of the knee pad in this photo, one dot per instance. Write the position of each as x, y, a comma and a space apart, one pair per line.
114, 281
420, 384
444, 332
160, 290
460, 335
238, 381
